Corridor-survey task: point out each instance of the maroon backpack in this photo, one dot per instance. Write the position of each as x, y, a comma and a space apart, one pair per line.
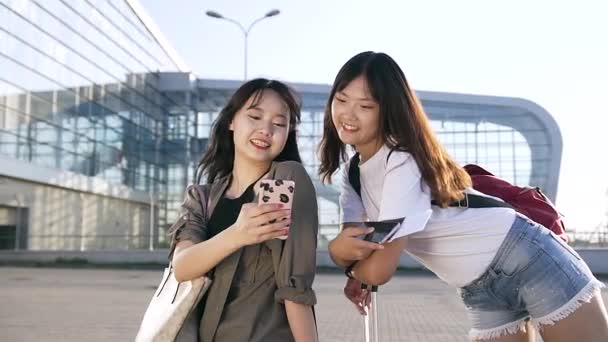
529, 201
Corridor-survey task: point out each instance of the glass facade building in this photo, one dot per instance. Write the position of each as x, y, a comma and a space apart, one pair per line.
81, 92
101, 126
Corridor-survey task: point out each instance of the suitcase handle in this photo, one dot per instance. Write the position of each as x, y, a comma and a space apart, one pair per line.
373, 288
371, 323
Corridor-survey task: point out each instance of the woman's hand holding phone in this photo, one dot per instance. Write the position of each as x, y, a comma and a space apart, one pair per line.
258, 223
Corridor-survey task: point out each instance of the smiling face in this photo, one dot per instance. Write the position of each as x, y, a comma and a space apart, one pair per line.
260, 128
356, 117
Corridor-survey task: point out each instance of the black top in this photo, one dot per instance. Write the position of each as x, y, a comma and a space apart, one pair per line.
227, 211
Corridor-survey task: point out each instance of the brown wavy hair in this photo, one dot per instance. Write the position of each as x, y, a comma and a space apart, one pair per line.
403, 124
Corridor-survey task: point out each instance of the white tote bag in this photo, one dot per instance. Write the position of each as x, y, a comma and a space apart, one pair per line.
171, 309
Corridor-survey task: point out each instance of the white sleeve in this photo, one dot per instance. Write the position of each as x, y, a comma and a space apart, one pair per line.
350, 202
404, 194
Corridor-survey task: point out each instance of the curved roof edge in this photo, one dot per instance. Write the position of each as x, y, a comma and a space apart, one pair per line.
158, 36
529, 107
532, 107
537, 111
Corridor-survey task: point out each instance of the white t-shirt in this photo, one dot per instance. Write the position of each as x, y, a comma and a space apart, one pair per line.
457, 244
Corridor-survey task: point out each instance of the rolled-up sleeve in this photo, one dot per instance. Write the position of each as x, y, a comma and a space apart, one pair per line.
192, 223
297, 266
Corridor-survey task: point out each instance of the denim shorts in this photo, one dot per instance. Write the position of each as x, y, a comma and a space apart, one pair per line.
534, 276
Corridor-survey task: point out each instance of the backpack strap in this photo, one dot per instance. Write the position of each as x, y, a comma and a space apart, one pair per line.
353, 173
469, 200
354, 177
476, 201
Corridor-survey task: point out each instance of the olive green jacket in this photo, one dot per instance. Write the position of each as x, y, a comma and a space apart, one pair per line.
246, 300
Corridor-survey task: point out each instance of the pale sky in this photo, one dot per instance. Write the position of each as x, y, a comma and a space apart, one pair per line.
554, 53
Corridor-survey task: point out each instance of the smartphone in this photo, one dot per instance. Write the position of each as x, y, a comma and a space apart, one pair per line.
277, 191
383, 230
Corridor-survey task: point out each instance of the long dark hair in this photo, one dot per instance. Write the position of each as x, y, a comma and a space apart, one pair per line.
218, 160
403, 124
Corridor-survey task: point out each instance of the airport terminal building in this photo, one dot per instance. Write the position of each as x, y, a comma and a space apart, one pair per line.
102, 125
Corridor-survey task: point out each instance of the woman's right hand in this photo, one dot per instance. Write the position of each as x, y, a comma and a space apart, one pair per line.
253, 224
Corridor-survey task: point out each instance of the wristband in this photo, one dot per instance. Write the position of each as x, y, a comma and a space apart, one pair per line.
349, 271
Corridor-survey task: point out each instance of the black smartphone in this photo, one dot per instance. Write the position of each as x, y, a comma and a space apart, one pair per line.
383, 230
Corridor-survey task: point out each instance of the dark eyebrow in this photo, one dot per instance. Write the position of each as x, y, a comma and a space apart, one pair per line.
255, 107
259, 110
356, 98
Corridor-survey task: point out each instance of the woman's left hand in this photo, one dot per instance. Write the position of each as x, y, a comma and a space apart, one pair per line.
358, 296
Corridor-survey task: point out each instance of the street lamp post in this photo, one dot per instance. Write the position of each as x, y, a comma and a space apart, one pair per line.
216, 15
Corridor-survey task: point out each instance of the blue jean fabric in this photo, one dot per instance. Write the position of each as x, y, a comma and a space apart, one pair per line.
534, 275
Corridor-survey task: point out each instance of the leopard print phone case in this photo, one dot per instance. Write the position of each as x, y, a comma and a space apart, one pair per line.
277, 191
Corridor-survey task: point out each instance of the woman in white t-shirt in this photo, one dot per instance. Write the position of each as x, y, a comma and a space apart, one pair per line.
512, 273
